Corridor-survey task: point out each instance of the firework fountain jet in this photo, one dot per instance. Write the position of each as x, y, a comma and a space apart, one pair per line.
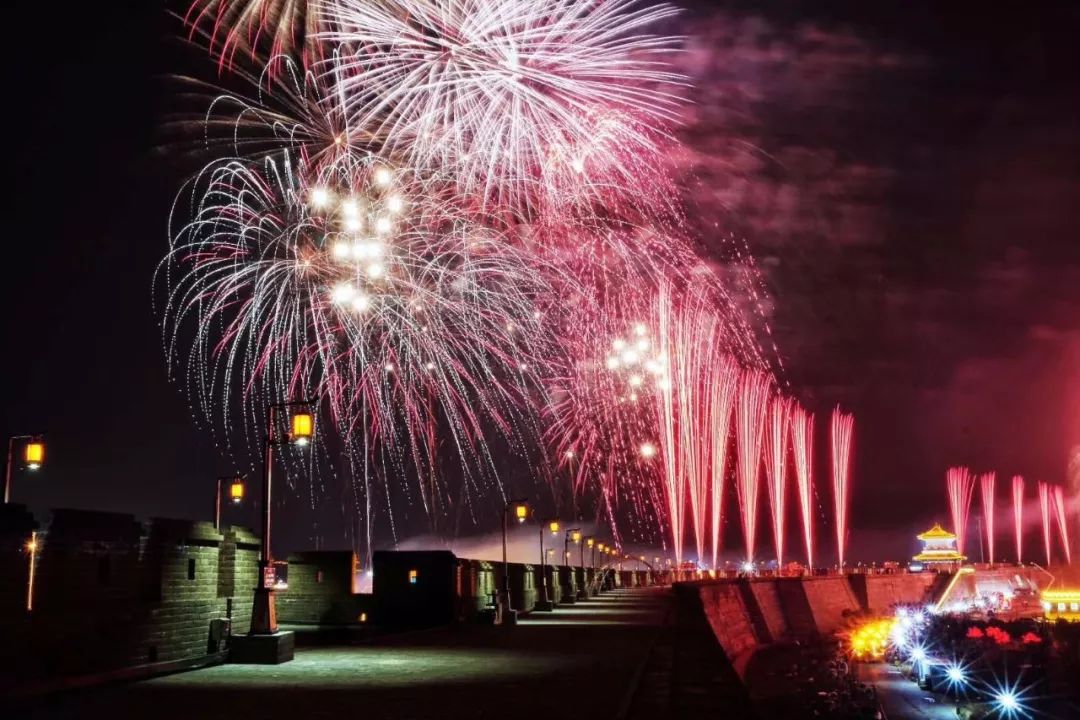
776, 449
960, 485
1044, 510
749, 425
1062, 521
722, 403
1018, 515
842, 429
802, 443
986, 487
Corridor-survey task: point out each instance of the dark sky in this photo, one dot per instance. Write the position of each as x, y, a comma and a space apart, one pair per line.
908, 174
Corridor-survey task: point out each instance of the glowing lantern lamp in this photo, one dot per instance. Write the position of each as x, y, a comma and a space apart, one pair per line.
521, 511
34, 454
554, 527
303, 427
236, 491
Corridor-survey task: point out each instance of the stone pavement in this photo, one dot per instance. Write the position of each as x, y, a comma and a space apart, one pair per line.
581, 661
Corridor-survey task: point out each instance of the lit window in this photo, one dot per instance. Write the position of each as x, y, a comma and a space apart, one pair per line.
413, 576
1061, 607
1074, 606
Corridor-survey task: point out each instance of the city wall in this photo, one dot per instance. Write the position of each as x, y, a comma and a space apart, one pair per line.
746, 613
115, 597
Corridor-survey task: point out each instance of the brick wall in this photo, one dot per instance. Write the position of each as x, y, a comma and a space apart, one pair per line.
112, 593
321, 590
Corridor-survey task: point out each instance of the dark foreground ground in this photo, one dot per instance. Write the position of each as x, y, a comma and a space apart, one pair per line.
582, 661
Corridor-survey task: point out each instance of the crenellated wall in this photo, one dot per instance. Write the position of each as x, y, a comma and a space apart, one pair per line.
112, 593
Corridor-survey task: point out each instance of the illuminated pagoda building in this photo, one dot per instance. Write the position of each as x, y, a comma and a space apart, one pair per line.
939, 548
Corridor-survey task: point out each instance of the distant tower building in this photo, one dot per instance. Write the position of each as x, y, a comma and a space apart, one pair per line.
939, 548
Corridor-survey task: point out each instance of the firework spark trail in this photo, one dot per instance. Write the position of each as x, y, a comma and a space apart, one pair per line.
960, 485
754, 387
281, 26
1044, 509
802, 443
673, 482
1062, 520
1018, 515
776, 452
842, 431
986, 487
548, 102
724, 391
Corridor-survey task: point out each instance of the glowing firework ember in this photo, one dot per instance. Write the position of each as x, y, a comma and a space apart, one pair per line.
1044, 511
1062, 521
1018, 515
986, 487
842, 431
776, 449
960, 485
535, 104
750, 425
802, 443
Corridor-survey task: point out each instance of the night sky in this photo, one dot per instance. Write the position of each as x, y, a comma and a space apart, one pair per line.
907, 174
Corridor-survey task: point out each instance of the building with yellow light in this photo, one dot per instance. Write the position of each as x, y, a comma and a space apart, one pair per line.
939, 547
1061, 604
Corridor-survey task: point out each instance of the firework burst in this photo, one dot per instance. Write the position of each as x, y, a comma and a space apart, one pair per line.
539, 105
1018, 515
802, 442
776, 453
960, 486
754, 388
276, 27
348, 287
842, 431
986, 489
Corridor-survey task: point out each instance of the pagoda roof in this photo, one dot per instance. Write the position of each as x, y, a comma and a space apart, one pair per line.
937, 533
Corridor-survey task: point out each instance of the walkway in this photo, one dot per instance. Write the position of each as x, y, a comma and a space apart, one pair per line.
901, 698
579, 661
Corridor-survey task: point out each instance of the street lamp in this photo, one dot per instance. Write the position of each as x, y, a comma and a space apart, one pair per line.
520, 509
571, 534
301, 429
551, 526
33, 457
236, 495
587, 544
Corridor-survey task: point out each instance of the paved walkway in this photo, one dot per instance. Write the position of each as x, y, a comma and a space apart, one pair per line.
901, 698
579, 661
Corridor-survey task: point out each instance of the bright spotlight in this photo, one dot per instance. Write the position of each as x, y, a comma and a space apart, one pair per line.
956, 675
1007, 701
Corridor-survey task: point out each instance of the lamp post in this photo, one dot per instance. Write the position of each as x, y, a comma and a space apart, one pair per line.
236, 495
301, 430
520, 508
545, 602
33, 456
